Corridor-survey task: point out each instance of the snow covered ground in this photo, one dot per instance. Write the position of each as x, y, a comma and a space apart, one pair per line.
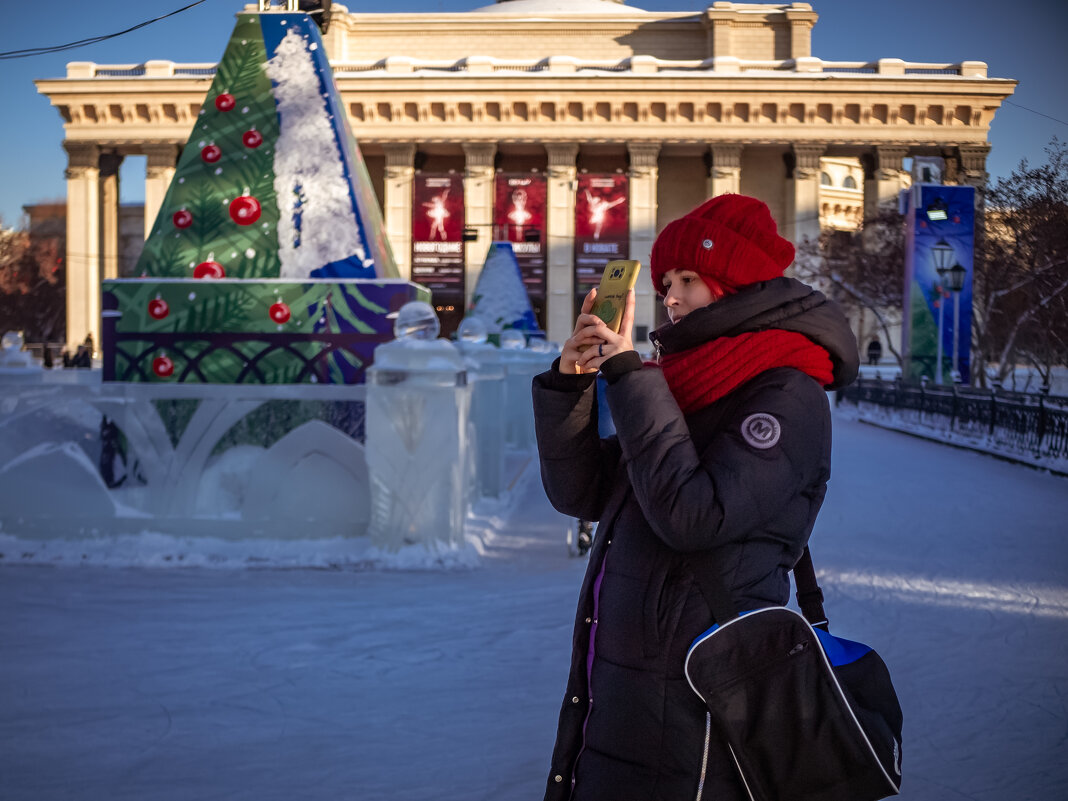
442, 685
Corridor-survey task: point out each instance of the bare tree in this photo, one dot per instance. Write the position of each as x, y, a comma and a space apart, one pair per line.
1021, 271
32, 292
862, 269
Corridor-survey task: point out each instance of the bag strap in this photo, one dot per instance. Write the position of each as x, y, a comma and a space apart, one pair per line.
809, 594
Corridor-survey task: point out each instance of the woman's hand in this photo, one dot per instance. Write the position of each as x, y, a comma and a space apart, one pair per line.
597, 340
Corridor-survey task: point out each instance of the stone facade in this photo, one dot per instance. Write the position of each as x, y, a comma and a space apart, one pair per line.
688, 105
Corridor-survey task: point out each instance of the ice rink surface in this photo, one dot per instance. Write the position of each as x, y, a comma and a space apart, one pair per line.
191, 683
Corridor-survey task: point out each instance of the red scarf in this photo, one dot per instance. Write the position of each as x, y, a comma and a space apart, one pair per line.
704, 374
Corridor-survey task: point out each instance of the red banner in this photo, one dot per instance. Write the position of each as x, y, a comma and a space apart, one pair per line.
602, 228
437, 234
519, 218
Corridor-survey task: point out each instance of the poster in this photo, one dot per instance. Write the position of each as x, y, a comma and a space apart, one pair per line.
940, 229
519, 218
437, 236
602, 228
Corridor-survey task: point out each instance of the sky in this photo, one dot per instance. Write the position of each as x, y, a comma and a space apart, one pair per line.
127, 678
1022, 40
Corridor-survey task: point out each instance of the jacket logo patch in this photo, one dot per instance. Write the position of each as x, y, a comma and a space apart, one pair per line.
761, 430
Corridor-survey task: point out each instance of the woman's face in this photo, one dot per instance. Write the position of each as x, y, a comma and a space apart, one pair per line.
684, 291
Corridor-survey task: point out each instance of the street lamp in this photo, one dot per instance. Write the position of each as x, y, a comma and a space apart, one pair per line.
955, 283
941, 254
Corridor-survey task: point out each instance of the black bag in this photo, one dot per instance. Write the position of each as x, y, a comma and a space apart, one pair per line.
807, 716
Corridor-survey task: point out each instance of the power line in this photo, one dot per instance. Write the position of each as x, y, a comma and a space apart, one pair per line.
1039, 113
40, 51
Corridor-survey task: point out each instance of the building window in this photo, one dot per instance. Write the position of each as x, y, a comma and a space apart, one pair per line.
825, 179
849, 182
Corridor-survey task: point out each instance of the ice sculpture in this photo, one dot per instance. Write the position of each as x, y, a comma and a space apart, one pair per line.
418, 406
488, 406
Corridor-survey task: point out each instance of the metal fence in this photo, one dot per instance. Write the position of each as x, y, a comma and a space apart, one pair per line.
1023, 423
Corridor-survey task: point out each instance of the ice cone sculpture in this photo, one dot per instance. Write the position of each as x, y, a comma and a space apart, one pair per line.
500, 299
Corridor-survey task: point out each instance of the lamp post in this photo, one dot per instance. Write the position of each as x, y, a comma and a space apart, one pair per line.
941, 253
956, 275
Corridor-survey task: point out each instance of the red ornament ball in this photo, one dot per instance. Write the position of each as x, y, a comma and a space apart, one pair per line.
252, 138
182, 218
225, 102
163, 366
244, 210
211, 153
209, 269
158, 308
279, 312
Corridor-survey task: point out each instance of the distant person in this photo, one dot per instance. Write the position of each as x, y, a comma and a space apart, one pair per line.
46, 358
719, 465
875, 351
112, 445
68, 361
82, 357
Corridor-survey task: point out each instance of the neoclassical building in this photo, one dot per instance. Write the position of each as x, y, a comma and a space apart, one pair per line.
578, 103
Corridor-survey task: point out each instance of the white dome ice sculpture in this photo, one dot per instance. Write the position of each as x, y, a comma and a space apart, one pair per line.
416, 320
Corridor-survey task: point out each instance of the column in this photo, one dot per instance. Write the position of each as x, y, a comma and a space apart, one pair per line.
160, 162
726, 174
644, 175
83, 242
397, 202
951, 161
882, 177
478, 207
109, 215
973, 165
803, 193
560, 270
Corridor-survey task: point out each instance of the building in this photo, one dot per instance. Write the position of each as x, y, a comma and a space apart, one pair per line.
591, 99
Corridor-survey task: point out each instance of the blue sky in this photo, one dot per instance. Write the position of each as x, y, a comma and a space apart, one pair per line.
1022, 40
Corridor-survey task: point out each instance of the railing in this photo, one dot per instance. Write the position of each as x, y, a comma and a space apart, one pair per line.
1034, 425
307, 358
637, 65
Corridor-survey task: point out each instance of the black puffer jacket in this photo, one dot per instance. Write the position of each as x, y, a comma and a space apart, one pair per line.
676, 496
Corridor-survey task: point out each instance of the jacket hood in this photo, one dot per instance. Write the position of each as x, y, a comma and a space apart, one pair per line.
781, 303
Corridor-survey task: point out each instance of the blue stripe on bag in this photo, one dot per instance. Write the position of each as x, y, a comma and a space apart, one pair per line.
840, 651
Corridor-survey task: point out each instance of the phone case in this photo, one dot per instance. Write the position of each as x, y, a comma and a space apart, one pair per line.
618, 278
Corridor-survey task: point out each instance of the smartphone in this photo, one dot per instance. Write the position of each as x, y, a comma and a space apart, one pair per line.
617, 280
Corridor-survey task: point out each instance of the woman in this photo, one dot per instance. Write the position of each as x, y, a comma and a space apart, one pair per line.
719, 464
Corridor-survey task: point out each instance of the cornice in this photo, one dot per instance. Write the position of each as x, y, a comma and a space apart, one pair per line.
614, 106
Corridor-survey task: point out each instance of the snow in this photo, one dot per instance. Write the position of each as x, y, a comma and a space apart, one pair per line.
430, 684
317, 224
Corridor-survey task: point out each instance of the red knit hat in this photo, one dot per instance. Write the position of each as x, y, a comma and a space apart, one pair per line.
730, 239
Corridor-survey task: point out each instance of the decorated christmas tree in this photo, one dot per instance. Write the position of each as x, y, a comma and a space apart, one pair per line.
268, 261
272, 183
